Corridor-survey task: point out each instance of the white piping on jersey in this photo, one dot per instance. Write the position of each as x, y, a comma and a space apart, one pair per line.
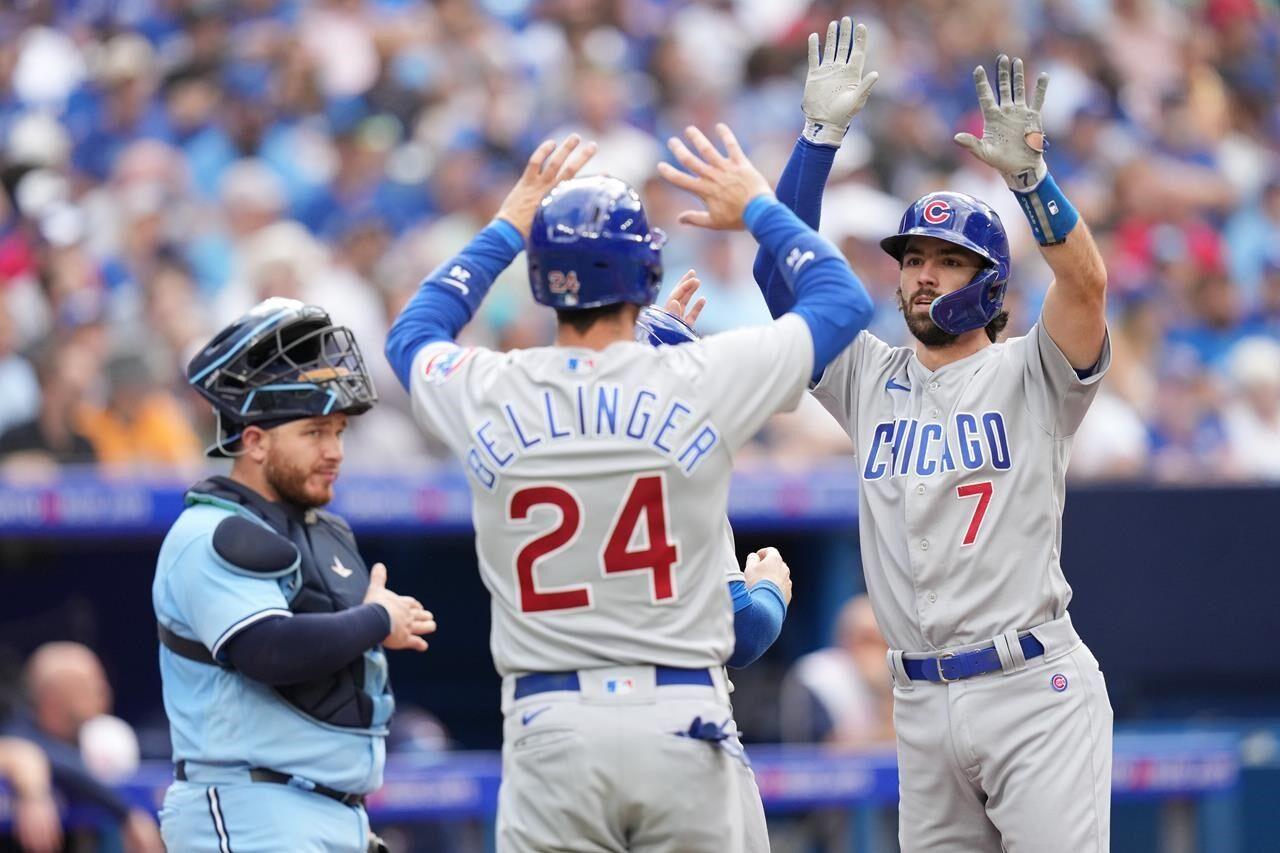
600, 411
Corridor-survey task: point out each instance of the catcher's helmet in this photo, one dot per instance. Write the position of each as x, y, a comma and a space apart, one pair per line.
282, 361
591, 245
658, 327
965, 221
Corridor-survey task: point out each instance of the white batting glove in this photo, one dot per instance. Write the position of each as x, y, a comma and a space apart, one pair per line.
1012, 140
835, 88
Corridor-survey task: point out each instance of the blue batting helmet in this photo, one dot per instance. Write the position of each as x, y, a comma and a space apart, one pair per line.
591, 245
282, 361
657, 327
965, 221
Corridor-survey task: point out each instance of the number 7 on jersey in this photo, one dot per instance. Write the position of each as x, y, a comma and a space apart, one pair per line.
982, 491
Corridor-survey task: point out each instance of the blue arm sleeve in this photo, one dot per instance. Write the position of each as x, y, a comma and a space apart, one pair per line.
449, 297
800, 189
757, 619
829, 297
290, 650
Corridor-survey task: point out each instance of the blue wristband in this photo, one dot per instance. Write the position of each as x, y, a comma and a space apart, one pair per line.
1051, 216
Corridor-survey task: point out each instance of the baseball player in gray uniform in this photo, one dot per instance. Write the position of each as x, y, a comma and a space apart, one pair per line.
599, 469
760, 590
962, 441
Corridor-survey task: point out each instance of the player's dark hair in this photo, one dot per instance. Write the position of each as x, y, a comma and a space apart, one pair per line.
997, 324
584, 318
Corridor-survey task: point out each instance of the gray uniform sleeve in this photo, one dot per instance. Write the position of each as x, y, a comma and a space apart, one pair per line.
446, 376
749, 374
837, 389
1056, 395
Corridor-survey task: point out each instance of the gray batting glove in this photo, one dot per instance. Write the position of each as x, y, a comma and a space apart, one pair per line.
1012, 140
835, 89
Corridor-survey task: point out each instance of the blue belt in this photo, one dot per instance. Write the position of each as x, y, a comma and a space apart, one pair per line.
547, 682
947, 667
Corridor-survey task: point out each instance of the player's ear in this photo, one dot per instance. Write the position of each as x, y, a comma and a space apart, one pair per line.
256, 442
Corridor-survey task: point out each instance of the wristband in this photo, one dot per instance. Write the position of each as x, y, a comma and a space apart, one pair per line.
824, 134
1051, 216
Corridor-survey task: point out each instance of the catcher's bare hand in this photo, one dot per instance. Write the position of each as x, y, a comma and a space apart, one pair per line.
724, 182
548, 165
678, 303
767, 564
409, 619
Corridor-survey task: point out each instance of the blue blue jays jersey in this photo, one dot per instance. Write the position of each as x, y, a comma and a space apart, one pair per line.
220, 717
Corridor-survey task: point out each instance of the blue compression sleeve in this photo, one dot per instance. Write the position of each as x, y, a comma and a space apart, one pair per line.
829, 297
289, 650
757, 619
449, 297
800, 188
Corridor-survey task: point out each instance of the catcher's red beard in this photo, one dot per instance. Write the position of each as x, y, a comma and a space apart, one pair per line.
294, 484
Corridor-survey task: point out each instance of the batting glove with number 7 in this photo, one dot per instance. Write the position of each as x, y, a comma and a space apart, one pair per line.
835, 88
1012, 140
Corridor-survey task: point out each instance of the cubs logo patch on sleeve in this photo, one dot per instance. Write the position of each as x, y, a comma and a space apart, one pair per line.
445, 363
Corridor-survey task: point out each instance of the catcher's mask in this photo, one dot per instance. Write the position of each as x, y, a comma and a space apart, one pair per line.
282, 361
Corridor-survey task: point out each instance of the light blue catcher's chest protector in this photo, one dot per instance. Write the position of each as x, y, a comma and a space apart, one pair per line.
313, 557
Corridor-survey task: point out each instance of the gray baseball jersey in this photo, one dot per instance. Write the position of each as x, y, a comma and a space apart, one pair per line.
599, 486
962, 483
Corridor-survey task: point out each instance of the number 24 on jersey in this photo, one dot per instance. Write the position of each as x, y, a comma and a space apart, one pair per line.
645, 504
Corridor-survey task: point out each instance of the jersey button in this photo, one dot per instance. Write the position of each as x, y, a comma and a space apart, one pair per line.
920, 489
924, 544
933, 596
933, 413
933, 386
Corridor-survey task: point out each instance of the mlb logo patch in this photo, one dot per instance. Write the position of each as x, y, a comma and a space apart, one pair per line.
579, 365
620, 686
444, 364
1058, 682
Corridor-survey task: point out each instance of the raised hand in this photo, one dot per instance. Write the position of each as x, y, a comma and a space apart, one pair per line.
1012, 140
409, 619
724, 182
548, 165
678, 303
835, 89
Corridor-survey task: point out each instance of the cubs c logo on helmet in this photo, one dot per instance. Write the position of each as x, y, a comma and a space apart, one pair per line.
936, 212
970, 223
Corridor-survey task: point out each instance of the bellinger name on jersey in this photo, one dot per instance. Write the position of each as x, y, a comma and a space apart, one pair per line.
601, 411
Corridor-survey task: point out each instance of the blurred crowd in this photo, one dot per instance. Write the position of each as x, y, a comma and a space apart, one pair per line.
168, 163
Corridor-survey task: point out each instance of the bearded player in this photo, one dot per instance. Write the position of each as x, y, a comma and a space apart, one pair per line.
962, 441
